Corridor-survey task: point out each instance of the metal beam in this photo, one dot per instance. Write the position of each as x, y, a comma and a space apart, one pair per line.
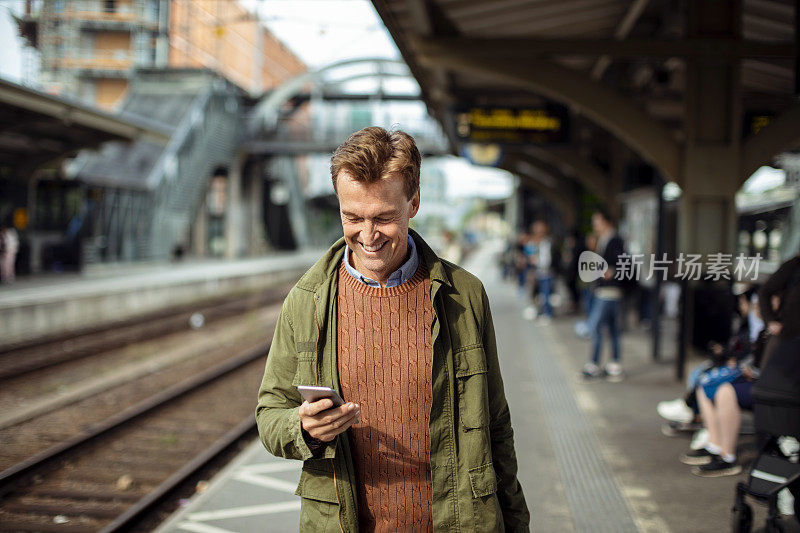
431, 22
267, 148
547, 175
579, 168
496, 10
550, 17
527, 48
599, 103
348, 97
625, 26
544, 179
429, 19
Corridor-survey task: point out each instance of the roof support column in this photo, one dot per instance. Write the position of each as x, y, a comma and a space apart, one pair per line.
255, 209
199, 233
711, 160
234, 207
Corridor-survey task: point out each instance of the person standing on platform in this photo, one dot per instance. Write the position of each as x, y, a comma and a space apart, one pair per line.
573, 247
606, 309
9, 246
523, 250
424, 440
530, 251
543, 267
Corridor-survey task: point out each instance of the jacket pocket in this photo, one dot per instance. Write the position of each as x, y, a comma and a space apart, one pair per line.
319, 506
472, 387
487, 514
316, 481
483, 480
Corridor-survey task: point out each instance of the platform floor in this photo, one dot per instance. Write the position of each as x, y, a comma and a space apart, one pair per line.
253, 493
591, 455
50, 305
105, 279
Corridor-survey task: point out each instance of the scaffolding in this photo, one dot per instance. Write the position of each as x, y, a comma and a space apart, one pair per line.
72, 41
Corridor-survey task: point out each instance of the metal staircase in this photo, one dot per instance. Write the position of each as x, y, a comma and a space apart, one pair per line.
204, 140
144, 196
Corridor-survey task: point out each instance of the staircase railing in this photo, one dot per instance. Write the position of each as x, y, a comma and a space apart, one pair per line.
205, 139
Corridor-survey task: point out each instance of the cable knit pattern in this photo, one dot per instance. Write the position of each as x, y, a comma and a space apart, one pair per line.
384, 362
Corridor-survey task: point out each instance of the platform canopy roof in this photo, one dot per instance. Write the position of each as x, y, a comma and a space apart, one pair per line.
38, 129
618, 67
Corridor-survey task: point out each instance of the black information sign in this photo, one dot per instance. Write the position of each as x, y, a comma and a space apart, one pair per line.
548, 124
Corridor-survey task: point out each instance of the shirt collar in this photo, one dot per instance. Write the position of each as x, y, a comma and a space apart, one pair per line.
398, 277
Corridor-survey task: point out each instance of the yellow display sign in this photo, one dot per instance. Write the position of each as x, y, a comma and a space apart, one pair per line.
506, 119
545, 125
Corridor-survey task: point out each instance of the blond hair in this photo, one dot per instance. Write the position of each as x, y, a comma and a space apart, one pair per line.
372, 154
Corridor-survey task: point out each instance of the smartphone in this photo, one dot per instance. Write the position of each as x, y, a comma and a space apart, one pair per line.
313, 394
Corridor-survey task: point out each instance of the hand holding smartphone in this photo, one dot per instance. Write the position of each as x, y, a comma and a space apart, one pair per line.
324, 422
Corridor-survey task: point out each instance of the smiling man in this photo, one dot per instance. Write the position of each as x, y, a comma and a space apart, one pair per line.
423, 441
375, 217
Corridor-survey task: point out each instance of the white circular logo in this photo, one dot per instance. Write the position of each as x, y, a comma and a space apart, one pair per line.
591, 266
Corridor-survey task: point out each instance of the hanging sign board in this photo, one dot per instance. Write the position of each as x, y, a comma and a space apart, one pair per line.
548, 124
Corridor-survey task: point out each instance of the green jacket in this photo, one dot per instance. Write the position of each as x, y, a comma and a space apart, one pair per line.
473, 464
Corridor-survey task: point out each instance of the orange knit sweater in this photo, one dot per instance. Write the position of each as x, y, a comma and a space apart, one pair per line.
384, 359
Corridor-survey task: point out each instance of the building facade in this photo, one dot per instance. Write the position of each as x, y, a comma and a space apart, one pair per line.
90, 48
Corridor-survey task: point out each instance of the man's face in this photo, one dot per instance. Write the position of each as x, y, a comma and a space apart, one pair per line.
375, 220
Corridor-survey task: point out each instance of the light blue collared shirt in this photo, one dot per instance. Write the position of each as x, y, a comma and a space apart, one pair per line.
399, 276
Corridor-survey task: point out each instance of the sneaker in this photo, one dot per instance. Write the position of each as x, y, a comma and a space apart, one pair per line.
529, 313
699, 439
786, 502
614, 372
789, 447
544, 320
698, 457
591, 371
675, 411
717, 467
581, 329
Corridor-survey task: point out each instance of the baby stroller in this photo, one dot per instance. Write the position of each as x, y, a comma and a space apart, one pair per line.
776, 412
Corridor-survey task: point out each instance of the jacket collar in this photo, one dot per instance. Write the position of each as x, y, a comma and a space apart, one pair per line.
431, 260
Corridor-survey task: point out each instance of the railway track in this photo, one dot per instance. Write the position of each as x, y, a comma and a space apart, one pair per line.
117, 470
22, 359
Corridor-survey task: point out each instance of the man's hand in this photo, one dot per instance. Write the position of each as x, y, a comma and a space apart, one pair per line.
324, 423
775, 328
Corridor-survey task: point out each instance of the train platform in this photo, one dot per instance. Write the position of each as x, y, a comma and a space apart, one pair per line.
592, 456
51, 304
